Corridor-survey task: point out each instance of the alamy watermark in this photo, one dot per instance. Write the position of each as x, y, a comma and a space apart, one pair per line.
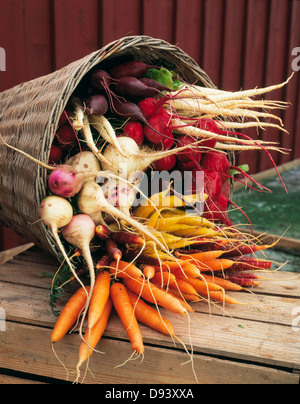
136, 188
296, 61
2, 60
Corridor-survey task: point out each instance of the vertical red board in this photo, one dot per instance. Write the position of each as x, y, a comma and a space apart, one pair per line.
275, 69
13, 42
189, 28
213, 39
75, 30
233, 45
253, 67
119, 19
291, 141
158, 19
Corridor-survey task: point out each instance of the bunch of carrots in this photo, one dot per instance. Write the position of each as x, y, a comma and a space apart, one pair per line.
133, 119
135, 281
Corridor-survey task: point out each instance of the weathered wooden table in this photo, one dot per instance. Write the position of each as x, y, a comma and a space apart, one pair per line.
257, 342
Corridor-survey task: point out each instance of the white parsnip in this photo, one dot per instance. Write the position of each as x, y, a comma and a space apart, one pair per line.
103, 126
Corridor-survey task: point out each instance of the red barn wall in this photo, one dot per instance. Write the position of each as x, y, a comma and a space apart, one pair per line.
239, 43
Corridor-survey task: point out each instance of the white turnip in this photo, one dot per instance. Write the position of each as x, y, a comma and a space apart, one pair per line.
79, 232
56, 213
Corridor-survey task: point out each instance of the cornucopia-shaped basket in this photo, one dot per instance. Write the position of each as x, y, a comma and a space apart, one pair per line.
29, 116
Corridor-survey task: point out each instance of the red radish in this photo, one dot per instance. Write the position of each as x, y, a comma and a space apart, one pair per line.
165, 164
159, 123
165, 144
126, 109
151, 106
191, 154
63, 120
65, 181
216, 210
96, 105
186, 165
216, 161
135, 131
66, 137
129, 68
212, 183
55, 154
211, 126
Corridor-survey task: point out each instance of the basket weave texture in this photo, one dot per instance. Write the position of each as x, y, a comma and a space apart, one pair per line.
29, 115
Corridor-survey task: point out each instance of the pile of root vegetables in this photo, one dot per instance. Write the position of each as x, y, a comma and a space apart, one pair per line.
120, 126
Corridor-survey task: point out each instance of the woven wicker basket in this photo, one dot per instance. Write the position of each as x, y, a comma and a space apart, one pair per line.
29, 115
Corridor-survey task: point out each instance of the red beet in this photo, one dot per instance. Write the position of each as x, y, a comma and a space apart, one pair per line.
130, 68
55, 154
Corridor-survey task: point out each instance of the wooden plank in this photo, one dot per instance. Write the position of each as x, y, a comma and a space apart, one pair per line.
27, 350
9, 254
22, 302
7, 379
260, 331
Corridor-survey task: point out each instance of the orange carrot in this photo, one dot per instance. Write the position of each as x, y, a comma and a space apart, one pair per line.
164, 279
124, 308
153, 294
70, 314
187, 268
224, 283
148, 271
220, 297
167, 280
99, 297
201, 285
202, 256
215, 265
184, 298
122, 269
93, 335
149, 316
